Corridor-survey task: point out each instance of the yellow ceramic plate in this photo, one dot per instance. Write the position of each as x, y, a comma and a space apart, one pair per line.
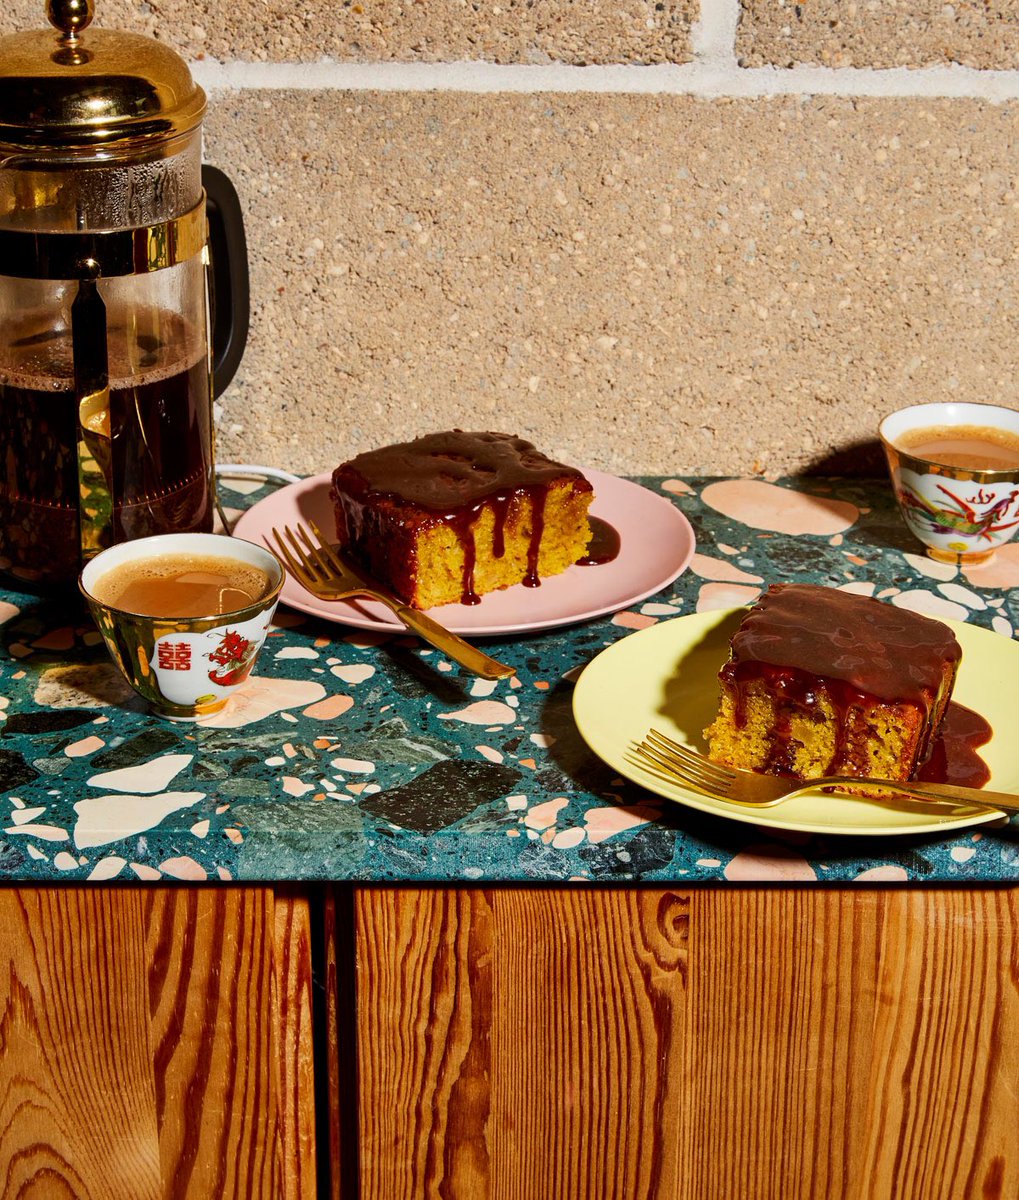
666, 677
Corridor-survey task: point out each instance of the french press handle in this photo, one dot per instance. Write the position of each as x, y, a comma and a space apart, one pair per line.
229, 295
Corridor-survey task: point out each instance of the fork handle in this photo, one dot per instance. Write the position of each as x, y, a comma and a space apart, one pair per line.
947, 791
448, 642
941, 793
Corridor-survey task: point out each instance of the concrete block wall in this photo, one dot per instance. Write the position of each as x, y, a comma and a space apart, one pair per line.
652, 235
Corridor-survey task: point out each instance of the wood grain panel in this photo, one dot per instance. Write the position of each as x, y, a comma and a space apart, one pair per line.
703, 1045
294, 1037
155, 1043
77, 1094
944, 1097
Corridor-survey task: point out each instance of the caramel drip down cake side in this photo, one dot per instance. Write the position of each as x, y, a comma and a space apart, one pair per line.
820, 682
451, 516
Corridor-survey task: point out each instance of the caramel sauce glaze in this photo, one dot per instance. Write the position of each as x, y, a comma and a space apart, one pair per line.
604, 545
954, 758
867, 651
448, 478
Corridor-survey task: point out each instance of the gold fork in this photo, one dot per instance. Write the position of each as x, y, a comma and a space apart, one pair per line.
678, 763
317, 566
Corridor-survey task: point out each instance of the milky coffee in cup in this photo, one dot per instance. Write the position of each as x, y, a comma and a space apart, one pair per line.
184, 615
973, 447
182, 585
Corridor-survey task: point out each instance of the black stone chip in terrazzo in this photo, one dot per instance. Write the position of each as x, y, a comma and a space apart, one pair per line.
50, 721
14, 771
11, 858
417, 677
441, 795
650, 849
137, 750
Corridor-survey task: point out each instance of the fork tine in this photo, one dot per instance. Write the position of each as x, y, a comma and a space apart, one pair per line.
678, 748
310, 564
716, 772
675, 772
647, 759
663, 759
310, 570
325, 547
650, 755
676, 767
285, 553
314, 552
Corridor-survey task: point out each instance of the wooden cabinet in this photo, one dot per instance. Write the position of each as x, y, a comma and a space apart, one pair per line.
710, 1044
155, 1043
509, 1043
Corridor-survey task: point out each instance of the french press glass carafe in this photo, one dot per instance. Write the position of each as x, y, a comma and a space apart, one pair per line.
106, 370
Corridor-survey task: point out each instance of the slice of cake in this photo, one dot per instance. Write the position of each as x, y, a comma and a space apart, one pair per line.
823, 682
450, 516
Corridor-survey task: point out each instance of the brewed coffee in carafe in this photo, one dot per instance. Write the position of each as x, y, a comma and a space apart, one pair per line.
105, 363
150, 445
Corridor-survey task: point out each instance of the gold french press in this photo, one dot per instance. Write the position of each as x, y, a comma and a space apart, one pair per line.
115, 330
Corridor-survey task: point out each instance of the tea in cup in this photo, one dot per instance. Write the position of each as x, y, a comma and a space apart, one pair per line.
955, 470
183, 615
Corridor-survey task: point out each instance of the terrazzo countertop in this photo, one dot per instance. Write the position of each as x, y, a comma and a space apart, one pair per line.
356, 755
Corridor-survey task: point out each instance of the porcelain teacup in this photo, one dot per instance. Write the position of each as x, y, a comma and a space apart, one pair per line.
955, 471
187, 665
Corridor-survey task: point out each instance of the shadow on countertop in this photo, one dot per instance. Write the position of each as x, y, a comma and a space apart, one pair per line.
864, 459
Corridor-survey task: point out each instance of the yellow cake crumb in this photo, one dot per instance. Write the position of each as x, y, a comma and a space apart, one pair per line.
822, 682
565, 536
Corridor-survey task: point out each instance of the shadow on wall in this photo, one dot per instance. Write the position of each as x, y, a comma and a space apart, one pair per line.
865, 458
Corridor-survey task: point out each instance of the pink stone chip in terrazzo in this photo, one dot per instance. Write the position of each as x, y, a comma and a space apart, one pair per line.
107, 868
84, 747
632, 620
146, 778
887, 873
780, 510
1001, 571
103, 819
329, 708
56, 639
183, 868
768, 862
42, 833
484, 712
294, 786
261, 697
566, 839
542, 816
359, 766
928, 605
720, 570
354, 673
602, 823
714, 596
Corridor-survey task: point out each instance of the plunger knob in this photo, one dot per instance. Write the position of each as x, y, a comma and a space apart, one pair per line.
70, 16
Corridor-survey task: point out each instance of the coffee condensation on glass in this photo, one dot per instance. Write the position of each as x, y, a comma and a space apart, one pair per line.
155, 447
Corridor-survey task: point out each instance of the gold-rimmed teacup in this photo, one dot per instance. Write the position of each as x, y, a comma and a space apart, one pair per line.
184, 666
955, 471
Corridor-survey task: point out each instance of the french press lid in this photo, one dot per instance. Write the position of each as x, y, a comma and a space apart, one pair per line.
100, 92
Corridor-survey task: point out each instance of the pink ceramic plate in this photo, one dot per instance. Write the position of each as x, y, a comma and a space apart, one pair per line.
656, 545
